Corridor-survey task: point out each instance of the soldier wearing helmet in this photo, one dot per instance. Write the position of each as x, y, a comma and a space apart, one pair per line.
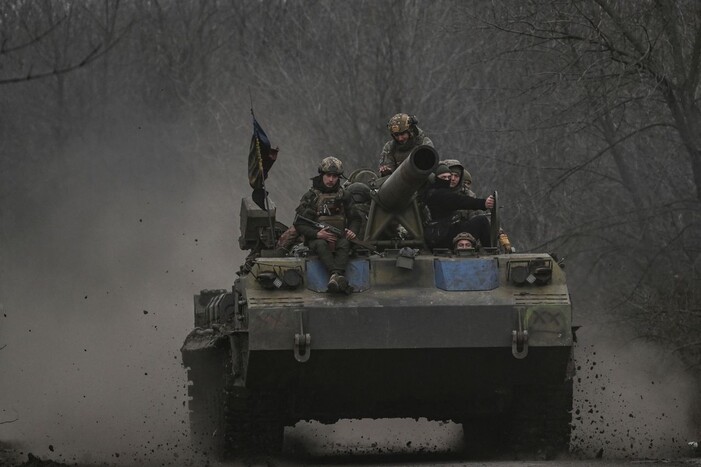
461, 182
405, 137
331, 165
444, 205
326, 202
464, 241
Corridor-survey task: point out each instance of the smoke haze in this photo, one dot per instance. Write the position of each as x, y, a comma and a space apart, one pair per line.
632, 399
120, 185
96, 300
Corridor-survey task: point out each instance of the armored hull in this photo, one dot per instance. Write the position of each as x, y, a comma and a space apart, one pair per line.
450, 338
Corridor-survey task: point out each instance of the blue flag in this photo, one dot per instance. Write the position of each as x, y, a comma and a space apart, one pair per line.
261, 158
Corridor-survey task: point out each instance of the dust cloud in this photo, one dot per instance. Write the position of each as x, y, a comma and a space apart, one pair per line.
632, 399
96, 288
96, 299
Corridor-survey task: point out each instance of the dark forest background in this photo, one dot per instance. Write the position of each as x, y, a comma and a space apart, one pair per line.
125, 128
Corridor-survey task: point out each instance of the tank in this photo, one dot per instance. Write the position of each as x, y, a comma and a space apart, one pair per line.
481, 338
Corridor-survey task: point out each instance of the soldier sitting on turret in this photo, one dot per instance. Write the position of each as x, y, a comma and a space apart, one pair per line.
461, 182
326, 202
405, 137
460, 178
444, 204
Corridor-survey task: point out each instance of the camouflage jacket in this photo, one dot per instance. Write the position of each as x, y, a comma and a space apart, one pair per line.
315, 201
394, 154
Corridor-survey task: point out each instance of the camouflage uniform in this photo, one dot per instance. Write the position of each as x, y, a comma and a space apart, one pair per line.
331, 206
394, 153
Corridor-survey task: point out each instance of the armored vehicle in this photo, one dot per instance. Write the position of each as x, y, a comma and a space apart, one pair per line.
484, 339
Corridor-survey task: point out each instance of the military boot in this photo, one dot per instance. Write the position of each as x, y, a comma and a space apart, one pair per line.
337, 283
332, 286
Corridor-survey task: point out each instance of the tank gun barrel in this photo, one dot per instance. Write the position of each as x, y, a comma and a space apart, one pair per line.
397, 191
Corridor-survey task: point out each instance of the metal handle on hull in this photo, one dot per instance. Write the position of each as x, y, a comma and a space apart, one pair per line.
302, 348
519, 339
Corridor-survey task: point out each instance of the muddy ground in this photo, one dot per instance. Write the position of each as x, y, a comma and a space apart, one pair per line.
12, 455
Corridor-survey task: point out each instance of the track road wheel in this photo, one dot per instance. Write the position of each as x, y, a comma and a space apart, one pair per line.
254, 423
227, 421
541, 420
207, 392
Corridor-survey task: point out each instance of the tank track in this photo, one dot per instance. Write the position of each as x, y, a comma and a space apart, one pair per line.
541, 419
537, 424
228, 421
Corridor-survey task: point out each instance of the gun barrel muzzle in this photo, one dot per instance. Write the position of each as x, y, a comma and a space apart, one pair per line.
397, 191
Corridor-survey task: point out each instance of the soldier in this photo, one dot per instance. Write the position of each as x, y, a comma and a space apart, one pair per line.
405, 137
328, 203
464, 241
444, 204
358, 186
461, 182
460, 178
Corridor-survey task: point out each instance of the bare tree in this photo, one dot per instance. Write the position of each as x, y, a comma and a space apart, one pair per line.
618, 85
645, 53
30, 28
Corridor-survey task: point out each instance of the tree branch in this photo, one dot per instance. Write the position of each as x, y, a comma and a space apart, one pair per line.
571, 171
35, 39
94, 54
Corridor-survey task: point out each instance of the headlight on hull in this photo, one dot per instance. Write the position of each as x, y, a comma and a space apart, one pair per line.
529, 272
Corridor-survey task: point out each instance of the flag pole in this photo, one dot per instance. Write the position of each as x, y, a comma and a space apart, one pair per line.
262, 178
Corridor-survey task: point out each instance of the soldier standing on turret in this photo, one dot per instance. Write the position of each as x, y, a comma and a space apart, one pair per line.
328, 203
405, 137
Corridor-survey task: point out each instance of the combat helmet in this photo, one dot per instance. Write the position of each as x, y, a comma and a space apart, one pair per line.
331, 165
365, 176
401, 123
464, 236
